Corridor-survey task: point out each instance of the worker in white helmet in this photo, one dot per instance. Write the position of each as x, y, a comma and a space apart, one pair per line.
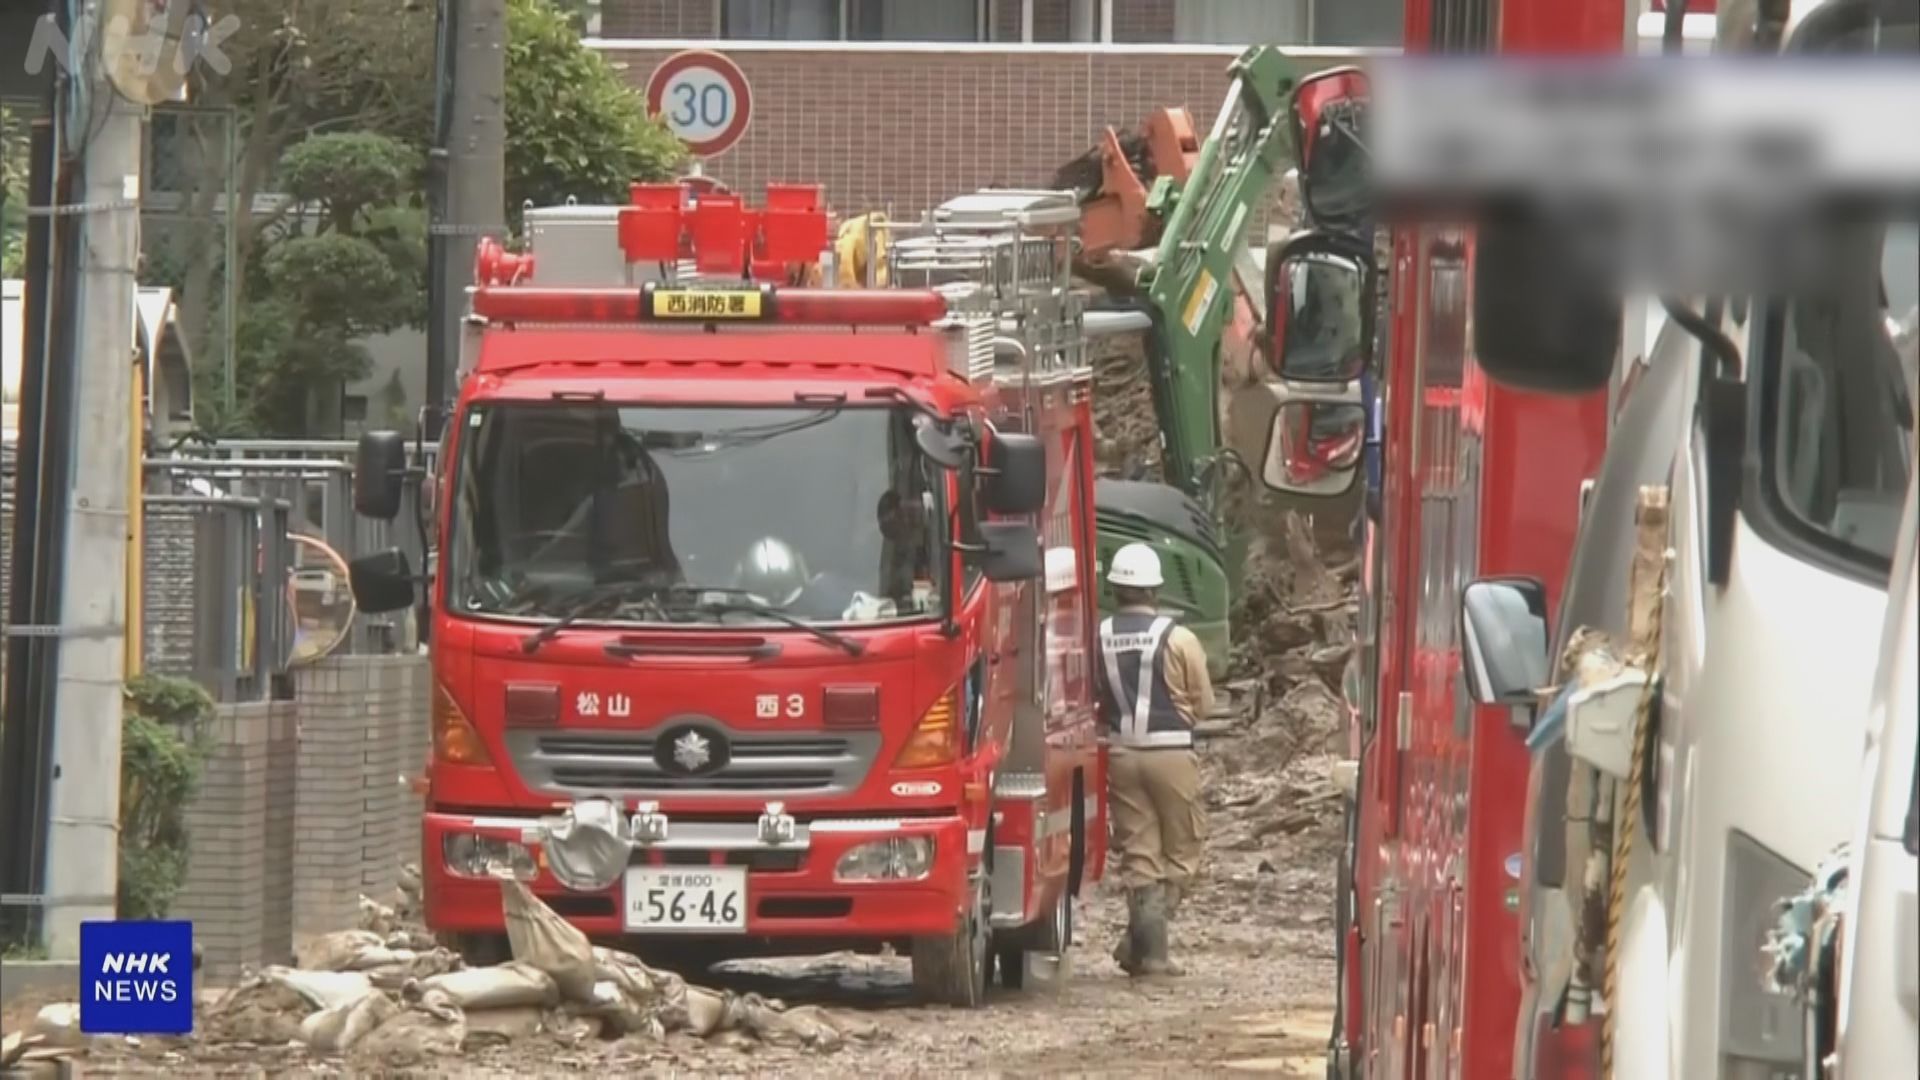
1153, 690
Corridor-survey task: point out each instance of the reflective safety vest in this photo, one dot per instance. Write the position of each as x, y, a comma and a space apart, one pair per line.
1140, 710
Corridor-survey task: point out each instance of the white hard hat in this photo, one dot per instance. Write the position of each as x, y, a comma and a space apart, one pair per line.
1135, 566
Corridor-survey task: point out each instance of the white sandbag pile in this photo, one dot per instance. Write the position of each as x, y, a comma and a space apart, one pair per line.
389, 994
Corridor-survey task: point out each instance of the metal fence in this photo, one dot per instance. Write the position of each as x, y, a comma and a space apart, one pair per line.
313, 480
214, 599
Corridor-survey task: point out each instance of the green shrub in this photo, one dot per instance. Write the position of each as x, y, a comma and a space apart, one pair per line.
163, 744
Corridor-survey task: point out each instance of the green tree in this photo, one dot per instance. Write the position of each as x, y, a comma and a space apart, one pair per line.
13, 193
303, 77
575, 127
349, 268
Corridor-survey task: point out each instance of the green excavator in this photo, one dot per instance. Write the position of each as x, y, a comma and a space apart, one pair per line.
1197, 293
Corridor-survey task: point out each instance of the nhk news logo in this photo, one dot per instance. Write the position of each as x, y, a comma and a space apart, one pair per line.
136, 978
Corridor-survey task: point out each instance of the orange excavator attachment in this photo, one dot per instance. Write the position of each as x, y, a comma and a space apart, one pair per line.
1113, 180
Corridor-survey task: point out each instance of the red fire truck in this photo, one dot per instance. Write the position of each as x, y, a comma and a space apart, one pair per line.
1479, 502
782, 597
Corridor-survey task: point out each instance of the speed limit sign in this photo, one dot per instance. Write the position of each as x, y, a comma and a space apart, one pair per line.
703, 98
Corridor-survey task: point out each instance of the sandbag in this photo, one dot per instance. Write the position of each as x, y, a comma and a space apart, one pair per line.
259, 1011
510, 1024
503, 985
335, 1030
322, 989
543, 939
338, 951
412, 1037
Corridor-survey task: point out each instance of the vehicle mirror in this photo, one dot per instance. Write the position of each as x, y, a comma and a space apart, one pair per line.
1016, 473
379, 470
1012, 551
1314, 448
941, 447
381, 582
1505, 631
1329, 114
1320, 308
1540, 321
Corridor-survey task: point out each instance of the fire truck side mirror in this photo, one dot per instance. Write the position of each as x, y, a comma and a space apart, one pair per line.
1016, 474
379, 471
381, 582
1011, 551
1329, 122
1320, 308
1505, 634
1314, 448
1542, 320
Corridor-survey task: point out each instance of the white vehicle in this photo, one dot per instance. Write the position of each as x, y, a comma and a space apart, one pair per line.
1875, 1029
1712, 728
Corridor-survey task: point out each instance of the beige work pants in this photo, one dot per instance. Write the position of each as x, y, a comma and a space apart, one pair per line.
1159, 825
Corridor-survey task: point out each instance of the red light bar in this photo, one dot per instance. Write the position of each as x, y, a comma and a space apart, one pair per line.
506, 304
818, 307
669, 222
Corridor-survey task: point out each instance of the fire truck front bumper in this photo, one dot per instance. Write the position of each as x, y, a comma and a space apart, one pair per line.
617, 873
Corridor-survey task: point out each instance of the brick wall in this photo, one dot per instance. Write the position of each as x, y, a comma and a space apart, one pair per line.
363, 726
909, 128
239, 883
302, 809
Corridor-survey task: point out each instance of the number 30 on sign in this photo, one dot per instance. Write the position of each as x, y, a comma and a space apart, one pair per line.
703, 98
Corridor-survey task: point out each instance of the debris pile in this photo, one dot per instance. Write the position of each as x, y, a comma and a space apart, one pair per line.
387, 995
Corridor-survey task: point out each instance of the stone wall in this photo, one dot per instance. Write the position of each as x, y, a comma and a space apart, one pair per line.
303, 807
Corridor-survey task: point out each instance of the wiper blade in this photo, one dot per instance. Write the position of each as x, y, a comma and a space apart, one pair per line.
733, 600
585, 603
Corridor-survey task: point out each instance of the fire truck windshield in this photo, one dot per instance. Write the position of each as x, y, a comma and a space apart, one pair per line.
823, 515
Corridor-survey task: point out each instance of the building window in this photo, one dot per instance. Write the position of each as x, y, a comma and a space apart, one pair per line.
913, 20
1240, 22
780, 20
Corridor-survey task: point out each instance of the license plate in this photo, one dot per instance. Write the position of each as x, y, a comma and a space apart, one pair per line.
676, 899
706, 304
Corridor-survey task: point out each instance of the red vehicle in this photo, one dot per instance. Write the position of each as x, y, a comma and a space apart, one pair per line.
783, 596
1478, 482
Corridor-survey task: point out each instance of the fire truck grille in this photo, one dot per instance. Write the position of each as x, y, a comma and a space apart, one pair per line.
635, 763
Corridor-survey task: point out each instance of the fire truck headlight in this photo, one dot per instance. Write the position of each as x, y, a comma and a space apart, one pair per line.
899, 858
469, 855
587, 846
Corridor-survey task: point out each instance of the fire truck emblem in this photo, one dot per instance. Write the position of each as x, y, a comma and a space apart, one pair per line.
692, 751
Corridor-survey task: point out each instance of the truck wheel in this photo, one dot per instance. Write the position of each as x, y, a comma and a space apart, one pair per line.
954, 968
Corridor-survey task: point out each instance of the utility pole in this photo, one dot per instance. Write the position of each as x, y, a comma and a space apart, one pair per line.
469, 167
83, 830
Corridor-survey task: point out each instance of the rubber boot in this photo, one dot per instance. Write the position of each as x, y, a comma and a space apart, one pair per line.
1128, 947
1151, 946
